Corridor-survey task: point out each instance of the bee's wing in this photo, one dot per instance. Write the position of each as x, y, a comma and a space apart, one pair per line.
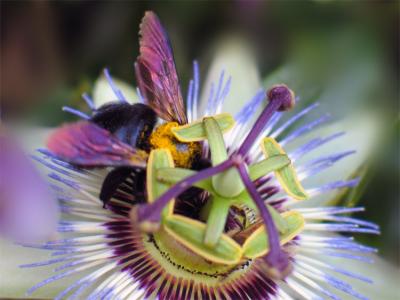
86, 144
156, 73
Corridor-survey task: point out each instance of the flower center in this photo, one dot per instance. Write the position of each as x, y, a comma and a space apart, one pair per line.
167, 269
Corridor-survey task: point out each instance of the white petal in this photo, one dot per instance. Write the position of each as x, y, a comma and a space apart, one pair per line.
15, 281
103, 93
235, 58
362, 135
385, 277
31, 138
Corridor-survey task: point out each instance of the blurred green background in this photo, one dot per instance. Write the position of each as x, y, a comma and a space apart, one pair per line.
344, 53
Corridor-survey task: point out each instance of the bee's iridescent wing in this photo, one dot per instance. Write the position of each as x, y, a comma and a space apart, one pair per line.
156, 73
88, 145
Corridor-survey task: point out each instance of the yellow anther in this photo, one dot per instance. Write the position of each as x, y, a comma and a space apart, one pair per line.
182, 153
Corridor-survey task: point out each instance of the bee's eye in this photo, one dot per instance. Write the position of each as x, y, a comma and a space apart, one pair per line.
184, 154
131, 124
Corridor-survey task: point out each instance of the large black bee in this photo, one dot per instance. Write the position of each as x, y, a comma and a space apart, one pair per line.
120, 134
132, 124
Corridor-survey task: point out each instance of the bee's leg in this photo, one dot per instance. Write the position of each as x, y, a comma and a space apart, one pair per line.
112, 181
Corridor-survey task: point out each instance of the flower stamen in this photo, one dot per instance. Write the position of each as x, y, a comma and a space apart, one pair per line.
152, 212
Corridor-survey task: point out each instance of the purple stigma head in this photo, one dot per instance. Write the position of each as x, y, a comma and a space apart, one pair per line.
283, 93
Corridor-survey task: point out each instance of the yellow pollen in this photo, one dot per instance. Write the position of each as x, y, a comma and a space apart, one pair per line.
182, 153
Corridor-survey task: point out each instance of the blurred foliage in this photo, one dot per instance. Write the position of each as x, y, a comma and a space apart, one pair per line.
343, 53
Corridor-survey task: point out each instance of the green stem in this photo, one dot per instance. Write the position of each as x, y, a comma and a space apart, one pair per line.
205, 210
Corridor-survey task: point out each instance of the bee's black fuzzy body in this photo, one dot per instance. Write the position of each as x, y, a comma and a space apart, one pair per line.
131, 123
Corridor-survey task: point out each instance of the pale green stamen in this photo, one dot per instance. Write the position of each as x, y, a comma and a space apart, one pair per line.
257, 243
287, 175
195, 132
228, 183
158, 159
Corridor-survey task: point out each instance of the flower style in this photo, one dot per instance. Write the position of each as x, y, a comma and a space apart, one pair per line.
189, 208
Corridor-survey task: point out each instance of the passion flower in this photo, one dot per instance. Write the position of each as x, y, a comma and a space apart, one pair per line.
198, 207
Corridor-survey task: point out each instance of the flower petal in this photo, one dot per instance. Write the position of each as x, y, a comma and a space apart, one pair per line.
15, 281
103, 93
384, 276
235, 58
361, 135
